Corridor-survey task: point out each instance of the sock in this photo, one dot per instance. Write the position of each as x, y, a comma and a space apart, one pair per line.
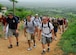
44, 50
17, 43
10, 45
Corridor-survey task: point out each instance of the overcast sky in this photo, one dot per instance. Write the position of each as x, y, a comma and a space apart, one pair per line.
42, 2
51, 1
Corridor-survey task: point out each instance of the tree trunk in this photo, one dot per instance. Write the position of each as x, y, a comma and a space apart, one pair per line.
13, 8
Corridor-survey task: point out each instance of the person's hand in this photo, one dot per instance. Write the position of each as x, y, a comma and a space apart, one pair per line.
17, 31
53, 38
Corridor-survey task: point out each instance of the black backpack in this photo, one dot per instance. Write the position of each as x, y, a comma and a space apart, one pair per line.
27, 24
48, 26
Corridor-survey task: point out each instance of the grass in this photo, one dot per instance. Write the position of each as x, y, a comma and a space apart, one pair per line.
68, 39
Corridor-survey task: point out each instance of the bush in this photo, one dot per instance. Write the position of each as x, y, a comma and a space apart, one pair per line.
68, 40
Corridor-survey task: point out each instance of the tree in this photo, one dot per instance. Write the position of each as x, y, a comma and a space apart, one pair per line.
0, 6
14, 1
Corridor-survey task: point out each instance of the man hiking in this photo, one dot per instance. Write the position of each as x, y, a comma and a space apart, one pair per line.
12, 29
46, 33
55, 24
30, 28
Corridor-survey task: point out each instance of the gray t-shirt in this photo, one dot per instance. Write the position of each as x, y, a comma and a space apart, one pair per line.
38, 21
46, 30
30, 27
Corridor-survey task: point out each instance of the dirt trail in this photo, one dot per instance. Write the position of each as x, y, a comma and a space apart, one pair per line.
22, 49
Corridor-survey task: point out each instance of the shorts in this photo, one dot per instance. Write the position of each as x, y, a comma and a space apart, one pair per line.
60, 26
12, 32
30, 36
55, 30
46, 40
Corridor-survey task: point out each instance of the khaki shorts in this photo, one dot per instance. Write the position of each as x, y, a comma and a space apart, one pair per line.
30, 36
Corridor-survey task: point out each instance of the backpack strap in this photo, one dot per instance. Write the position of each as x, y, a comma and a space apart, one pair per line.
42, 25
33, 22
48, 25
27, 24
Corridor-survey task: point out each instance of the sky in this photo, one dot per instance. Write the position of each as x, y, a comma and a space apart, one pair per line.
63, 1
42, 2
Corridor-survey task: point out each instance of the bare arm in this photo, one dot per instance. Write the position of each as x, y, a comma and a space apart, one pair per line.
52, 34
25, 32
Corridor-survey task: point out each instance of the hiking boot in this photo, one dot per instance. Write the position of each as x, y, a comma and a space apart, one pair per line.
10, 47
43, 52
29, 49
48, 49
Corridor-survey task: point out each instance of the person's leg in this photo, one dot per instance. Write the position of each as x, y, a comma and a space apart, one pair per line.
16, 35
17, 41
29, 43
48, 49
61, 29
33, 38
29, 39
43, 44
6, 33
49, 40
10, 33
10, 40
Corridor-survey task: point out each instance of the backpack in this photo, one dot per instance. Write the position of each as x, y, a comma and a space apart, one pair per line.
17, 19
38, 19
27, 24
48, 26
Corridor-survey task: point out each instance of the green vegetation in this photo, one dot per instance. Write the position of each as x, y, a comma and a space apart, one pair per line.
68, 40
0, 7
21, 12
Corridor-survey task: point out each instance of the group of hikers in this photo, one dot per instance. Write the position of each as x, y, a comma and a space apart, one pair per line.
45, 28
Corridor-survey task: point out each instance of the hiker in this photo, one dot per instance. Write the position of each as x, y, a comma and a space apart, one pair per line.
61, 25
38, 21
46, 33
30, 28
12, 21
55, 24
3, 21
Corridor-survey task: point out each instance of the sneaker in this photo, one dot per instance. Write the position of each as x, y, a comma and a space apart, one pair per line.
10, 47
48, 50
43, 52
29, 49
6, 38
55, 38
32, 41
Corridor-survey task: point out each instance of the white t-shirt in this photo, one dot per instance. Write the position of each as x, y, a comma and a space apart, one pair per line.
46, 30
30, 27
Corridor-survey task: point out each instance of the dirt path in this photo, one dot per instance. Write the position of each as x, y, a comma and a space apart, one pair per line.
22, 49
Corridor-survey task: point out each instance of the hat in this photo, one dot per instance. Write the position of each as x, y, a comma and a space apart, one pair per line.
36, 14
